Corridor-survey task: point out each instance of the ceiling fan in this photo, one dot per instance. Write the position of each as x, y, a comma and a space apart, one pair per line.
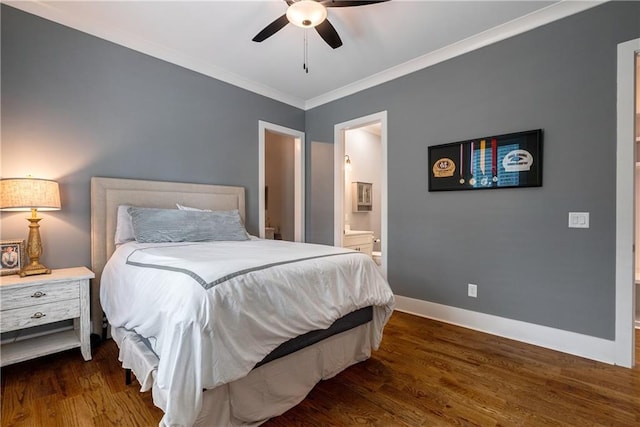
311, 14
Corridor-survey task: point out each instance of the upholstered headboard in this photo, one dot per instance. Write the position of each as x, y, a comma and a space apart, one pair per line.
108, 193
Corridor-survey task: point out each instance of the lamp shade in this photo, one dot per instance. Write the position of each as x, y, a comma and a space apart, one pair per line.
24, 194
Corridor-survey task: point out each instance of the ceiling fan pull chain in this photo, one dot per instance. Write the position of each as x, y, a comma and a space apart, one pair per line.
305, 66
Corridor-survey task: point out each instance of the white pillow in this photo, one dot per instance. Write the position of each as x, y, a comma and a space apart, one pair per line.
124, 226
189, 208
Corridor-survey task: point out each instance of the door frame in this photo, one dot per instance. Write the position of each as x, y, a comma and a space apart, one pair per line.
624, 347
338, 180
298, 173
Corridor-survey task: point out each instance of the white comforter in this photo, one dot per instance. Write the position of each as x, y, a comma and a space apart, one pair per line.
211, 311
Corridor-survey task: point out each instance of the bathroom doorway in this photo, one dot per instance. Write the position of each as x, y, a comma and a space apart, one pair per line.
360, 186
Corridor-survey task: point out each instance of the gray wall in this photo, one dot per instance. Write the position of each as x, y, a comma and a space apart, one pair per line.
513, 243
75, 106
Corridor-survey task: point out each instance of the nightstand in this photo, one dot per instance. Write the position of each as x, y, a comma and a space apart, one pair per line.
42, 299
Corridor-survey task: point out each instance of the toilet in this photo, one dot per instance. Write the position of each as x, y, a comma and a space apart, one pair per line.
376, 254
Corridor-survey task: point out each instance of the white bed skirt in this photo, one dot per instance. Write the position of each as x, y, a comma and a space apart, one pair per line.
267, 391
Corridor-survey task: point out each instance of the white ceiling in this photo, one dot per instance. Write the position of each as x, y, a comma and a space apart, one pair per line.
381, 41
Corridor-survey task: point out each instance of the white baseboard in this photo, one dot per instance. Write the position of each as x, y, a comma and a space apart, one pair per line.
556, 339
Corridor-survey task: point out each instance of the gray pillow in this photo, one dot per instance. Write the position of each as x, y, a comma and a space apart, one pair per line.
152, 225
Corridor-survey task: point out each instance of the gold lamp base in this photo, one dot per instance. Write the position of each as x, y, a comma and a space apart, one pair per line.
33, 269
34, 249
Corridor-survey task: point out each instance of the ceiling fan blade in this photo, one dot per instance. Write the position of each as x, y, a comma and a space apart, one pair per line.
339, 3
271, 29
329, 34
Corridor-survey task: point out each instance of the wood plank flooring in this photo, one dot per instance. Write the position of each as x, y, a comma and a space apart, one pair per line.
426, 373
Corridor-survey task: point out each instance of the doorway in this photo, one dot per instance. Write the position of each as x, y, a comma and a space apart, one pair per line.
345, 166
283, 149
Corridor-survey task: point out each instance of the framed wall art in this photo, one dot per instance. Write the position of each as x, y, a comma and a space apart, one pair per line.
12, 256
493, 162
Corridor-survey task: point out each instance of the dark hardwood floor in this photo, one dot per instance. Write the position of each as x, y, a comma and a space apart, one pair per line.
426, 373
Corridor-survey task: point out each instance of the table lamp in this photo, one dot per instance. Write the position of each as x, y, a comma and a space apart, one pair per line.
24, 194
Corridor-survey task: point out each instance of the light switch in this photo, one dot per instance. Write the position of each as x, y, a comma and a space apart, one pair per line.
578, 219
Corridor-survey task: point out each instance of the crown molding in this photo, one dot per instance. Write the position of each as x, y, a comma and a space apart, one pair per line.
504, 31
96, 28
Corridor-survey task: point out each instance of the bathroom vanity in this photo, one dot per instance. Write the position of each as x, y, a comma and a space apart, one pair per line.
359, 240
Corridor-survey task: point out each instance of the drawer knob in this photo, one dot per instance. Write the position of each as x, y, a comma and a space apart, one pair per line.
38, 315
38, 294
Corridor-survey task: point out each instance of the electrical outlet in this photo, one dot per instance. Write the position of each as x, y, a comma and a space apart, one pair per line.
472, 290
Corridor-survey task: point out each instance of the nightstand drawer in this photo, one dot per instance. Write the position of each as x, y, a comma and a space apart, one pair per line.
39, 294
39, 314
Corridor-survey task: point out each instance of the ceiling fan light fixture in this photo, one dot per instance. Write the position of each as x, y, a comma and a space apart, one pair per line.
306, 13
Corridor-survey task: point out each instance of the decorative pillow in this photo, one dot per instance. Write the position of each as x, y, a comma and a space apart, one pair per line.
124, 227
170, 225
189, 208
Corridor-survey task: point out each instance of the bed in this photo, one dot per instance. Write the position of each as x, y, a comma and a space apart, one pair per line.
254, 324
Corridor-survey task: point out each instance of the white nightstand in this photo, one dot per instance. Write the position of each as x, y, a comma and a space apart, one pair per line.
42, 299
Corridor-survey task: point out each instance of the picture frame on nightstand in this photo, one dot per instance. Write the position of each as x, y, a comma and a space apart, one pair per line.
12, 256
